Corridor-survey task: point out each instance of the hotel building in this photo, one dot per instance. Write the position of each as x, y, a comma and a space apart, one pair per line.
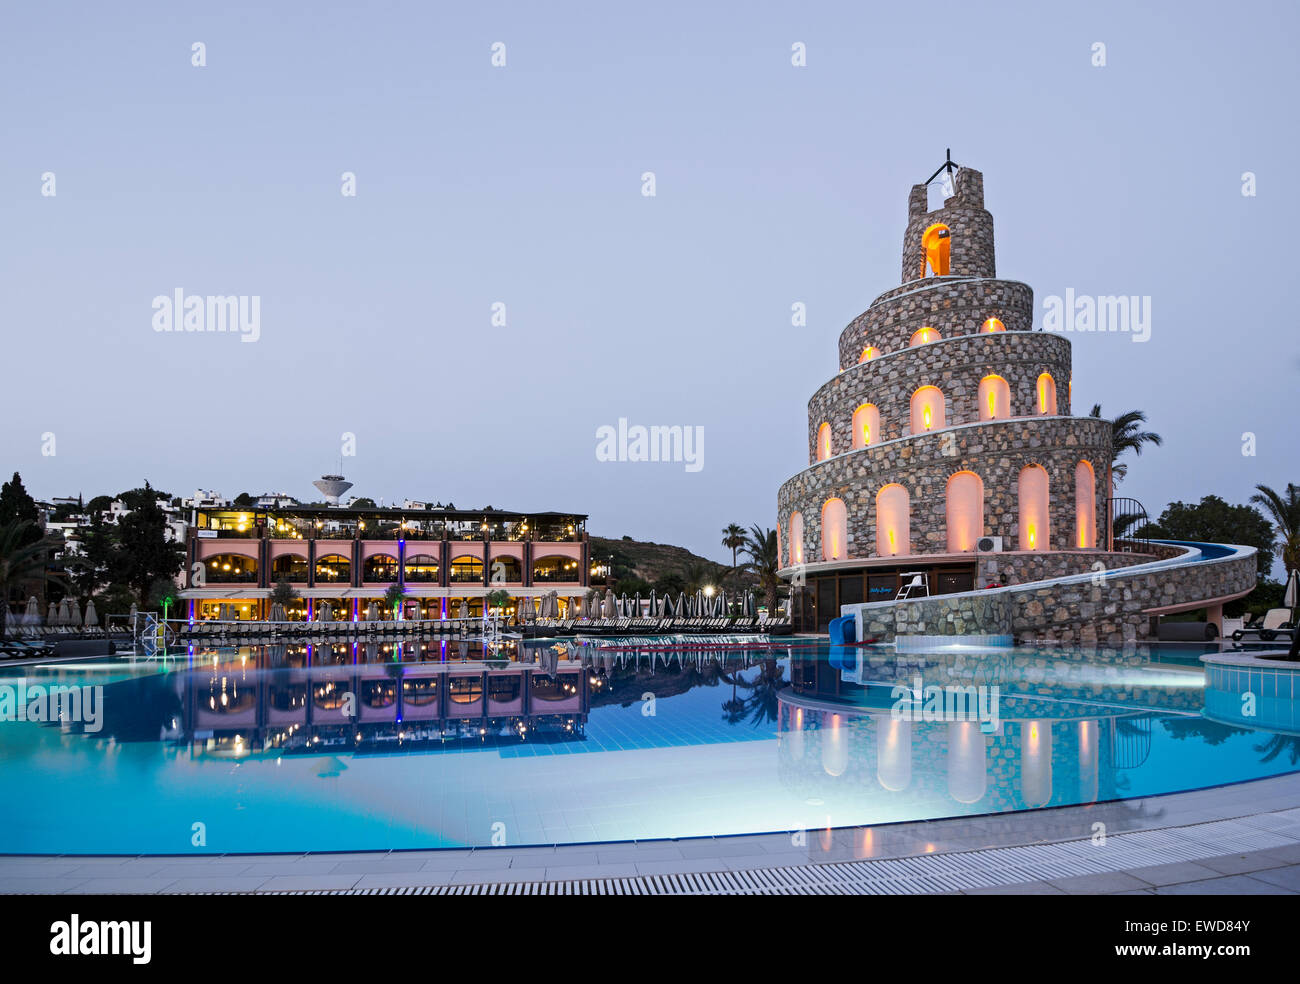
443, 558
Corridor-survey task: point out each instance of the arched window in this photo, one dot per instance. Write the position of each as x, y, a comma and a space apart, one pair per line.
924, 336
289, 567
869, 353
230, 568
1035, 526
796, 539
927, 410
936, 243
466, 569
506, 570
555, 569
893, 519
866, 425
1046, 395
1085, 505
421, 569
994, 398
965, 511
380, 567
992, 325
333, 569
823, 442
834, 530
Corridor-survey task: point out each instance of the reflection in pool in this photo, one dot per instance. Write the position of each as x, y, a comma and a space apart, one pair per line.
358, 747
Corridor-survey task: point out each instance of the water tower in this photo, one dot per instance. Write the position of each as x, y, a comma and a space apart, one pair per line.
332, 486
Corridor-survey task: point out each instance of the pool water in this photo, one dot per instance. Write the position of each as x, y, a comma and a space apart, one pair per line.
363, 747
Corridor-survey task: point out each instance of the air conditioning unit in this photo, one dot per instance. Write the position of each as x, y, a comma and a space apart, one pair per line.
989, 544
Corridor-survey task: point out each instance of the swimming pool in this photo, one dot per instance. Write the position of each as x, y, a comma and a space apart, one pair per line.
363, 747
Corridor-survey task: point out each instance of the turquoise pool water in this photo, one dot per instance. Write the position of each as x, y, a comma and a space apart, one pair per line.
298, 748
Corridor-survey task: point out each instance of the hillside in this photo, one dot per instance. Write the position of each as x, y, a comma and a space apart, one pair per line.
652, 562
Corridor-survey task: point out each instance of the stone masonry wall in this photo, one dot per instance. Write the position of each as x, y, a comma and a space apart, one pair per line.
971, 228
1111, 613
955, 366
996, 451
952, 305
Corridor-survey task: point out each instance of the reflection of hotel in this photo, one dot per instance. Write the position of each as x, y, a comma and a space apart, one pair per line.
313, 698
350, 557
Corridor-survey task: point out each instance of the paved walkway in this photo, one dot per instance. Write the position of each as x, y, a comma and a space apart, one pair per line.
1242, 839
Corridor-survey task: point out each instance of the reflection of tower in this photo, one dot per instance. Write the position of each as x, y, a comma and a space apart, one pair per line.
332, 486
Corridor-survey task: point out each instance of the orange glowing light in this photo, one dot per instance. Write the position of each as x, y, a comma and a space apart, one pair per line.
866, 433
1042, 397
927, 417
993, 405
893, 548
869, 353
1032, 537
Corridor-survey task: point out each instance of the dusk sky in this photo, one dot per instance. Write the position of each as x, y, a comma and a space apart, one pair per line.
522, 186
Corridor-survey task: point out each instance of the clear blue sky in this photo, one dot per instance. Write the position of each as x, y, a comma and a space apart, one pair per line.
522, 185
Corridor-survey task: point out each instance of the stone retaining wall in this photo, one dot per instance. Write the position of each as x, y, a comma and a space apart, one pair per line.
1112, 613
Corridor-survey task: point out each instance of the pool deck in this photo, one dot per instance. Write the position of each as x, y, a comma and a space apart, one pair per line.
1230, 840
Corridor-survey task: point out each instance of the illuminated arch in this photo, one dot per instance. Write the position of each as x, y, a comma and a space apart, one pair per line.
379, 567
923, 336
927, 410
992, 325
964, 508
994, 398
1035, 522
835, 530
868, 353
1085, 505
866, 425
1046, 395
333, 569
796, 538
228, 568
893, 520
936, 245
823, 442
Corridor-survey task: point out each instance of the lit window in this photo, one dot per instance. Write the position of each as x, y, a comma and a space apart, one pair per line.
1046, 395
834, 530
1035, 524
869, 353
935, 244
924, 336
866, 425
994, 398
823, 442
992, 325
927, 410
893, 518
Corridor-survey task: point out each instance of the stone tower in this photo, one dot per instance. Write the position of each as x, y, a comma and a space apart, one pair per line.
947, 426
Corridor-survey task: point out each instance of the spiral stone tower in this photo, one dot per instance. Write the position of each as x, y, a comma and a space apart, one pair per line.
945, 444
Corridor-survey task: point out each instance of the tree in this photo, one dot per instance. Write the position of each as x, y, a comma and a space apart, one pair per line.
16, 506
764, 562
1285, 512
733, 537
393, 598
143, 553
243, 501
283, 594
498, 599
20, 560
1212, 520
362, 503
1126, 435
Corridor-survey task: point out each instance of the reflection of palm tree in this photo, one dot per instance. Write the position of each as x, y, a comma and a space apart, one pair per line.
761, 704
1276, 745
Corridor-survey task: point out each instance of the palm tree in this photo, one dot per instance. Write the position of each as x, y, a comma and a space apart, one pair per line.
21, 561
1126, 435
764, 562
1285, 511
733, 536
